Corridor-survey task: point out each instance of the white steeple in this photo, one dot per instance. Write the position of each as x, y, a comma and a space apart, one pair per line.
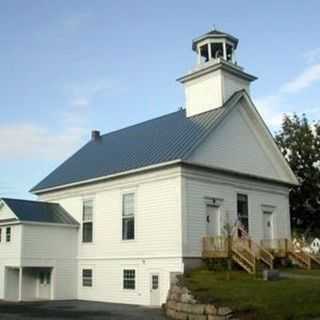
216, 75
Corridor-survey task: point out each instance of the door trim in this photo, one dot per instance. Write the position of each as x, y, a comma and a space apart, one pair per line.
151, 274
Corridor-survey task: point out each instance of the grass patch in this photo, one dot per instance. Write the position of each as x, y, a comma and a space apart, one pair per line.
313, 272
252, 298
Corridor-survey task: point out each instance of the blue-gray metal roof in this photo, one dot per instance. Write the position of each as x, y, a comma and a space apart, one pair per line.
37, 211
167, 138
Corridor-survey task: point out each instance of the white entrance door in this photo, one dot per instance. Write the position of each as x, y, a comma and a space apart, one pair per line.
213, 221
155, 289
267, 225
44, 281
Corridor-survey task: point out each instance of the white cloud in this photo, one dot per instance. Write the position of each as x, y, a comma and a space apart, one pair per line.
304, 80
33, 141
269, 107
272, 107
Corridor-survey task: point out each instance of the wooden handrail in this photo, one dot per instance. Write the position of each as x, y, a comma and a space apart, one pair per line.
215, 243
247, 258
259, 251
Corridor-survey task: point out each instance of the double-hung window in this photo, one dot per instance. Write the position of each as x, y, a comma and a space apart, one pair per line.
128, 210
243, 211
87, 277
87, 220
8, 234
129, 279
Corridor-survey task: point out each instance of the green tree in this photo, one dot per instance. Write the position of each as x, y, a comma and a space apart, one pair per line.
299, 142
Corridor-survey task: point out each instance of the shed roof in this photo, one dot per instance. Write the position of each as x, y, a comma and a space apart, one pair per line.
38, 211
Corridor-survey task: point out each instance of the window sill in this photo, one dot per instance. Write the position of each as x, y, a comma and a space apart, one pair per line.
129, 290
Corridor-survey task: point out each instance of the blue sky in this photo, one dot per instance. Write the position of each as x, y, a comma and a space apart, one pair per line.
68, 67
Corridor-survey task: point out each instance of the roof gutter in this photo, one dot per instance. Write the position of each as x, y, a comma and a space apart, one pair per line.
165, 165
108, 177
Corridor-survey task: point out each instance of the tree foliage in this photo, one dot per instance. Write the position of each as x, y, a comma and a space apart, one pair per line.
299, 142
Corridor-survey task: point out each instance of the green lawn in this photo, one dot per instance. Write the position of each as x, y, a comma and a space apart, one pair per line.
253, 298
313, 272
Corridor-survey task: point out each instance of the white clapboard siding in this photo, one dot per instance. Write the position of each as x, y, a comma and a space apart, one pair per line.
238, 144
108, 281
6, 213
53, 246
197, 186
10, 252
157, 245
157, 217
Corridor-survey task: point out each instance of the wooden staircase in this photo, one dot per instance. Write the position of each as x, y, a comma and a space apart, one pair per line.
315, 259
246, 252
244, 257
303, 259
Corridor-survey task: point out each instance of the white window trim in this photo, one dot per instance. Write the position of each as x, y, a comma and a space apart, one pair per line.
128, 267
248, 194
268, 207
85, 267
272, 210
93, 219
4, 235
122, 194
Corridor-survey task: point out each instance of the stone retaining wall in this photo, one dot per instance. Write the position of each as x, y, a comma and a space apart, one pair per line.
181, 305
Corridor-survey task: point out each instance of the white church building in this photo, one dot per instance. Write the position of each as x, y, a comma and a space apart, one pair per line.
121, 217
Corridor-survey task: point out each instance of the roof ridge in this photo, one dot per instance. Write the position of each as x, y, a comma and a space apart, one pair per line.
212, 125
208, 111
165, 138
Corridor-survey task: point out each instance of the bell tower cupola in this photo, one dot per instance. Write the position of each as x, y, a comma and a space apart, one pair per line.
216, 75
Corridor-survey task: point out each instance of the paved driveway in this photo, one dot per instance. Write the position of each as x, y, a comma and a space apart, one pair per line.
81, 310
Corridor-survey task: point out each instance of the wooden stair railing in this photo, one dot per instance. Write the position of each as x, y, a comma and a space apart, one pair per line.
259, 252
214, 247
300, 246
264, 255
277, 247
297, 255
244, 257
315, 259
301, 259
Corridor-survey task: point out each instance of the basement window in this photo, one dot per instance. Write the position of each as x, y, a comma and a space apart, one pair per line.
8, 234
129, 279
87, 221
87, 277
